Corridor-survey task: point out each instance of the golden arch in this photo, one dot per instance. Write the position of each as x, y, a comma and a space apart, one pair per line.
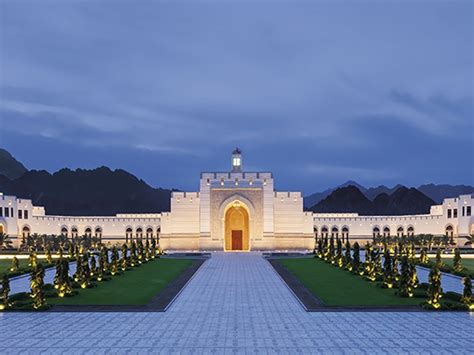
236, 228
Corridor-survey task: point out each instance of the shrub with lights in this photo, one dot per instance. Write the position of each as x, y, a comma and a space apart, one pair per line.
15, 264
114, 261
356, 258
387, 269
405, 288
36, 286
395, 273
434, 290
49, 257
153, 248
413, 275
33, 259
457, 266
4, 293
467, 293
124, 257
424, 256
147, 250
133, 254
347, 256
64, 286
439, 261
339, 259
93, 265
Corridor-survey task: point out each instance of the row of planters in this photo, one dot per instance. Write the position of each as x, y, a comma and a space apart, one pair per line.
16, 269
457, 269
394, 269
91, 271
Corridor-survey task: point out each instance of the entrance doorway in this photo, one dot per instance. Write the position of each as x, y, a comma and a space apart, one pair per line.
236, 240
236, 228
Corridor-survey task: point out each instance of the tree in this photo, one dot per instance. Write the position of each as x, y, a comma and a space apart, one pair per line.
405, 288
49, 258
347, 256
395, 274
370, 265
104, 253
32, 259
71, 251
57, 275
356, 258
153, 248
140, 253
338, 258
377, 261
424, 256
439, 261
114, 261
4, 292
124, 258
85, 276
36, 285
457, 266
5, 241
77, 275
467, 292
413, 275
147, 250
434, 290
64, 282
133, 254
15, 264
93, 265
387, 269
319, 249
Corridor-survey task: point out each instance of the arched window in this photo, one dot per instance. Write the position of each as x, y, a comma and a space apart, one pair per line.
149, 233
324, 232
400, 231
139, 233
376, 232
74, 232
345, 233
334, 232
128, 234
449, 231
98, 232
25, 232
88, 232
64, 231
410, 231
386, 232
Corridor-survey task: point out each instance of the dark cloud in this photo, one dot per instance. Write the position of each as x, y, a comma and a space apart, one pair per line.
317, 93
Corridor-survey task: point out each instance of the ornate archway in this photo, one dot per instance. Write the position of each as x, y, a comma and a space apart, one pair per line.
236, 228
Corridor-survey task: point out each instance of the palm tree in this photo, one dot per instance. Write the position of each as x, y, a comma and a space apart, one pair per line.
5, 242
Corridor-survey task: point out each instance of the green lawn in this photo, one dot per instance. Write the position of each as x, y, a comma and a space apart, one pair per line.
5, 264
133, 287
337, 287
467, 263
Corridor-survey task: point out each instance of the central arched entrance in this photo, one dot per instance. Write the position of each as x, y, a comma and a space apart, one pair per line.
236, 228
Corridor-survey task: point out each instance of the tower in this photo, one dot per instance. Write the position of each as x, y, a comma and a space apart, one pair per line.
237, 161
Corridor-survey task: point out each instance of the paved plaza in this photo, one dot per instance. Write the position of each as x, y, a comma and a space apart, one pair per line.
237, 303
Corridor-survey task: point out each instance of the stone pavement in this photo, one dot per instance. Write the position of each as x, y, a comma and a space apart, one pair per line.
236, 303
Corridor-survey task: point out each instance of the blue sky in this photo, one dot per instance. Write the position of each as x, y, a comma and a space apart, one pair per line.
318, 93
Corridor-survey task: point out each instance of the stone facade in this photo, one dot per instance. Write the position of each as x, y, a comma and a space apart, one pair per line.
276, 220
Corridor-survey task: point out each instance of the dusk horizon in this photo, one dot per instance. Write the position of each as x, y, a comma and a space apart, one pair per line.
378, 94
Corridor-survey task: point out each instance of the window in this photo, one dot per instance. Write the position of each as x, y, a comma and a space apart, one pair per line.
411, 231
11, 212
449, 213
463, 211
1, 212
26, 232
25, 214
375, 232
88, 232
64, 231
455, 213
468, 210
400, 232
20, 214
386, 232
7, 212
74, 232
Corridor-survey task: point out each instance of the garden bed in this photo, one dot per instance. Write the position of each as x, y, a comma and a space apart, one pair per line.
321, 286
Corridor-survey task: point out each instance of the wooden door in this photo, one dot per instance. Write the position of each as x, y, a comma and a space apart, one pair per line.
236, 240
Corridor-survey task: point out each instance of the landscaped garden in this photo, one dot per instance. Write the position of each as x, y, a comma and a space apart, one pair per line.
131, 274
387, 276
136, 287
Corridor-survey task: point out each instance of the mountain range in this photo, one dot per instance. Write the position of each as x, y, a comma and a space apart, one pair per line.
351, 199
435, 192
103, 191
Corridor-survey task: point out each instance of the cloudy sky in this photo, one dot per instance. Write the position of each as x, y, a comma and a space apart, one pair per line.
318, 93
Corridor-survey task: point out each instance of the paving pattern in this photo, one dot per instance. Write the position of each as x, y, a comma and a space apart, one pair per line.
236, 303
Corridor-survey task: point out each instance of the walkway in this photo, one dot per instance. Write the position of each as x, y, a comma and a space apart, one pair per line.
237, 303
